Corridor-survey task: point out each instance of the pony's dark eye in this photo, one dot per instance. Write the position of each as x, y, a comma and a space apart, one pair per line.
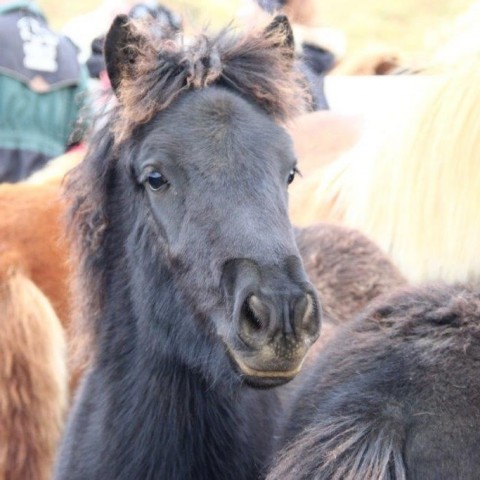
156, 180
291, 175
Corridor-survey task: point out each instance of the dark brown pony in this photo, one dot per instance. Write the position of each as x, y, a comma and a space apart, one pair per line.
394, 396
196, 297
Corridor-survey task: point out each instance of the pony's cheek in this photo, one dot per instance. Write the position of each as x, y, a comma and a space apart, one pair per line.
167, 219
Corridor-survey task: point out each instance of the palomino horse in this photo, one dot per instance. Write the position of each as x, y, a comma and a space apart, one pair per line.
413, 186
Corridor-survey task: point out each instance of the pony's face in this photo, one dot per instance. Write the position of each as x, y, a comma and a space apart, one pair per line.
213, 171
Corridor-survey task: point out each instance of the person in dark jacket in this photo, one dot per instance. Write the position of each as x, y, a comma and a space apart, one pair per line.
42, 90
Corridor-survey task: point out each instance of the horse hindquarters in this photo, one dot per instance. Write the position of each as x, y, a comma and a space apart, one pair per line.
33, 380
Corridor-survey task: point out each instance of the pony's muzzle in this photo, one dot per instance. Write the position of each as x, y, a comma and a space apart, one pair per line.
276, 320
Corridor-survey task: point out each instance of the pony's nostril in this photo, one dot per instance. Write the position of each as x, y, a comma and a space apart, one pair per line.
307, 315
277, 320
249, 316
255, 312
254, 317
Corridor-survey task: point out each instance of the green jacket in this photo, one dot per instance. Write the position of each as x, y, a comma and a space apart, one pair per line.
43, 89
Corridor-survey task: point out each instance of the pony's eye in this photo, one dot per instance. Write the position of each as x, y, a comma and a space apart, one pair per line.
156, 180
291, 175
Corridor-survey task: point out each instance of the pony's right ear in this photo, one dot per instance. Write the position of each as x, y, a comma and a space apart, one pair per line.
121, 50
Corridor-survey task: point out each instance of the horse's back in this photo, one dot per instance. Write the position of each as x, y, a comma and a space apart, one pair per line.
394, 395
32, 237
346, 267
56, 169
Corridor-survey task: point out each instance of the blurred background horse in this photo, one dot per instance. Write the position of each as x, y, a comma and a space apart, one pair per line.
35, 309
412, 184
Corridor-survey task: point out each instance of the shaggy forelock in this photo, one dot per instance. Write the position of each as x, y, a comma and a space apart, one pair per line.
254, 64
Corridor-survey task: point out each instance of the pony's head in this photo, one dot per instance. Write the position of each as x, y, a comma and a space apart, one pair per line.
195, 193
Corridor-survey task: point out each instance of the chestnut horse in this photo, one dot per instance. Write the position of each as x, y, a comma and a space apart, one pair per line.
33, 304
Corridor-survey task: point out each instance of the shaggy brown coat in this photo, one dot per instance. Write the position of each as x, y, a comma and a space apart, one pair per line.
394, 396
33, 378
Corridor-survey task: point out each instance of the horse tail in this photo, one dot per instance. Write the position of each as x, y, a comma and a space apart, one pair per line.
343, 448
33, 379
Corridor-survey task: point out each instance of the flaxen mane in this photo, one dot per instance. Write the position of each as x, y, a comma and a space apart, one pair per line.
415, 189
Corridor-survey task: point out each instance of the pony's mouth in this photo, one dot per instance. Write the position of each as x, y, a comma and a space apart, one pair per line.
257, 378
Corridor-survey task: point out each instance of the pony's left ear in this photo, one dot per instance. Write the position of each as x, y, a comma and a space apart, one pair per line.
282, 30
121, 50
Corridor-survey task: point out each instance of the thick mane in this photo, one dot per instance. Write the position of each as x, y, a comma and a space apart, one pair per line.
85, 190
256, 65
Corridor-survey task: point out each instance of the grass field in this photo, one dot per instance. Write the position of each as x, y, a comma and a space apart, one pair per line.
411, 26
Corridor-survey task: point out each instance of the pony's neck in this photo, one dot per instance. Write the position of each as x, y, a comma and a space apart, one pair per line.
174, 385
169, 332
